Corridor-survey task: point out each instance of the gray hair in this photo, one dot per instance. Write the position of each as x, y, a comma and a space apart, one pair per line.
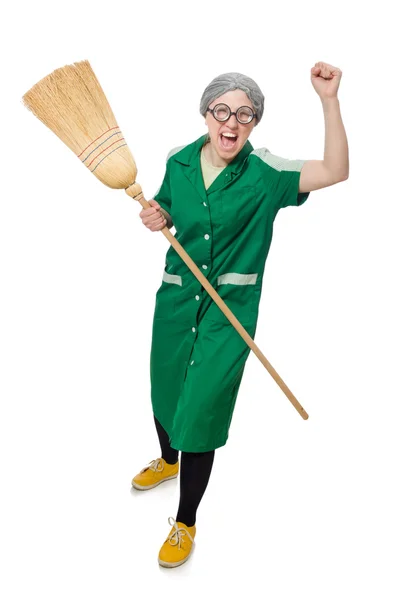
233, 81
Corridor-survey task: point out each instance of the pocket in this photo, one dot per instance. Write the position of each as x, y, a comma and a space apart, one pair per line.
166, 295
238, 203
169, 278
240, 292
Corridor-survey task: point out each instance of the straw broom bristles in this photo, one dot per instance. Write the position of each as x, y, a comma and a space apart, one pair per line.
71, 102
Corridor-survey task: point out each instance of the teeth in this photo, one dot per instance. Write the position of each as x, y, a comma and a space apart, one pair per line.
230, 135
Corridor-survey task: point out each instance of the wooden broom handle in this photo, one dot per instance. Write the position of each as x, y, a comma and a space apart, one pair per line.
138, 195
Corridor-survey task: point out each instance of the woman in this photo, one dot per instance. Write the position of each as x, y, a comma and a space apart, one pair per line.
222, 196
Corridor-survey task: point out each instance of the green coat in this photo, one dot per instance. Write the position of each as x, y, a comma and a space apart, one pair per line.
197, 358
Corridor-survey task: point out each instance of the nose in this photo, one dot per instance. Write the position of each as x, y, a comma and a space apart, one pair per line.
232, 122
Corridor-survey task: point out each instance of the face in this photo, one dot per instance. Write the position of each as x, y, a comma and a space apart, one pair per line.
228, 137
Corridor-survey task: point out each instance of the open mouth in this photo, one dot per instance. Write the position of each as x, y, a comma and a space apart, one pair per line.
228, 141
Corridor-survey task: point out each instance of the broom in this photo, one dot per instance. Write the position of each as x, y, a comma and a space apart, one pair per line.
71, 102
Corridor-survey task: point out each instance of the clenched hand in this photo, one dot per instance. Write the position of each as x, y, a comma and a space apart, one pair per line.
152, 218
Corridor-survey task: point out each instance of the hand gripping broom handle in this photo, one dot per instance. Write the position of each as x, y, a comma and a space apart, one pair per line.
135, 191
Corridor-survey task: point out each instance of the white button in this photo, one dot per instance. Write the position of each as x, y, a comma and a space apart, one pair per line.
205, 204
192, 362
193, 329
207, 237
205, 267
197, 297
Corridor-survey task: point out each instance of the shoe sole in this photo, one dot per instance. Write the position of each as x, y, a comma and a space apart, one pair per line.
168, 565
149, 487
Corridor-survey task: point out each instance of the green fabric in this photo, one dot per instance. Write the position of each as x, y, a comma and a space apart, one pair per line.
195, 375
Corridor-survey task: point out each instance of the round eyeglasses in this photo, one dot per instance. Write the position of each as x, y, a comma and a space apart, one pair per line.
222, 113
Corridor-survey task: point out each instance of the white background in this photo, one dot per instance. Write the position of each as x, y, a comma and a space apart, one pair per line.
294, 509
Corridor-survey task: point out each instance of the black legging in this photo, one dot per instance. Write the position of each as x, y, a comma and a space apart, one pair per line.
195, 473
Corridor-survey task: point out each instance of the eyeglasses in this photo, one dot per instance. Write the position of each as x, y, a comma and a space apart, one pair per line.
222, 113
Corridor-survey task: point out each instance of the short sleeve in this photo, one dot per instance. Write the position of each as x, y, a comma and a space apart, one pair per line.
163, 195
286, 191
284, 176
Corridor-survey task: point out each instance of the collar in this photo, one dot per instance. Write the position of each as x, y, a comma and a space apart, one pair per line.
189, 155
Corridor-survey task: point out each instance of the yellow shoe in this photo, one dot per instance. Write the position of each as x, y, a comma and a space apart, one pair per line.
178, 546
155, 473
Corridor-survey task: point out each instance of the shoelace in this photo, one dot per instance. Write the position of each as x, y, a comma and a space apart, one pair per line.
155, 465
177, 536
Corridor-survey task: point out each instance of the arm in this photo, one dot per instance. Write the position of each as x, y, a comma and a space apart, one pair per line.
317, 174
163, 198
